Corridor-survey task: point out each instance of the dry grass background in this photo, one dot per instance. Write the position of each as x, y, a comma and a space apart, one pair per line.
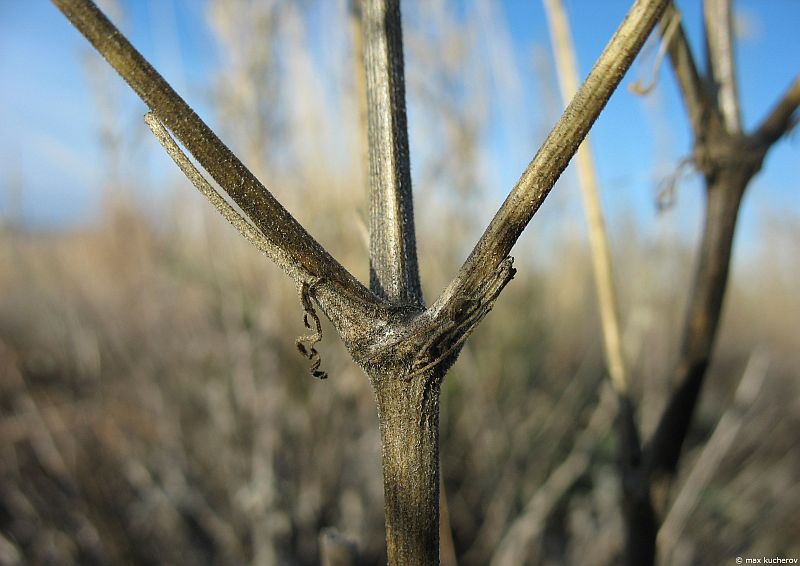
153, 408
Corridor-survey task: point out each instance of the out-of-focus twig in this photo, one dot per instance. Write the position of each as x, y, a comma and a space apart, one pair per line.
690, 82
673, 19
715, 449
336, 550
566, 64
782, 117
516, 545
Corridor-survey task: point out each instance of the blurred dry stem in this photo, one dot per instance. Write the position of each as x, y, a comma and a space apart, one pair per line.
564, 53
672, 18
717, 446
196, 446
728, 160
720, 63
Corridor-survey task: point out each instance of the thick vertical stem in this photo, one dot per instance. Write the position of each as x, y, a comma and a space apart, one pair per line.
724, 195
408, 413
649, 476
637, 508
394, 273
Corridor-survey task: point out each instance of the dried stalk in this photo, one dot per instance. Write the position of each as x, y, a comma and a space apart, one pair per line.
715, 449
719, 59
404, 349
346, 301
567, 68
555, 153
728, 160
394, 273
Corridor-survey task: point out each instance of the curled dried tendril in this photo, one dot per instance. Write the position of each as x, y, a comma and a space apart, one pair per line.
643, 89
305, 344
666, 193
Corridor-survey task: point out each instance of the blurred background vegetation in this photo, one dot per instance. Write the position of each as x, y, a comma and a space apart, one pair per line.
153, 408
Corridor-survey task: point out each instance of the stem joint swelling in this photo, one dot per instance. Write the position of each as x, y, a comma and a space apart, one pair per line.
725, 152
431, 339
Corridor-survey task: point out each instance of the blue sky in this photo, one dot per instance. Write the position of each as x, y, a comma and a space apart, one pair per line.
52, 171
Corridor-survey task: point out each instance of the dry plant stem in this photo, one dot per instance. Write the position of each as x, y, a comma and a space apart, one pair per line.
587, 178
394, 273
715, 449
341, 296
723, 197
637, 512
691, 84
360, 88
408, 413
641, 524
781, 119
245, 228
404, 350
728, 161
408, 407
557, 149
719, 57
670, 22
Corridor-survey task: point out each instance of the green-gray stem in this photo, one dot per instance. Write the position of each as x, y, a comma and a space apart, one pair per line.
394, 272
408, 413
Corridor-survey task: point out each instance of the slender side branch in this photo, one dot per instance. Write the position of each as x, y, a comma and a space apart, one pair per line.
690, 83
394, 273
721, 64
782, 117
556, 151
242, 225
301, 256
